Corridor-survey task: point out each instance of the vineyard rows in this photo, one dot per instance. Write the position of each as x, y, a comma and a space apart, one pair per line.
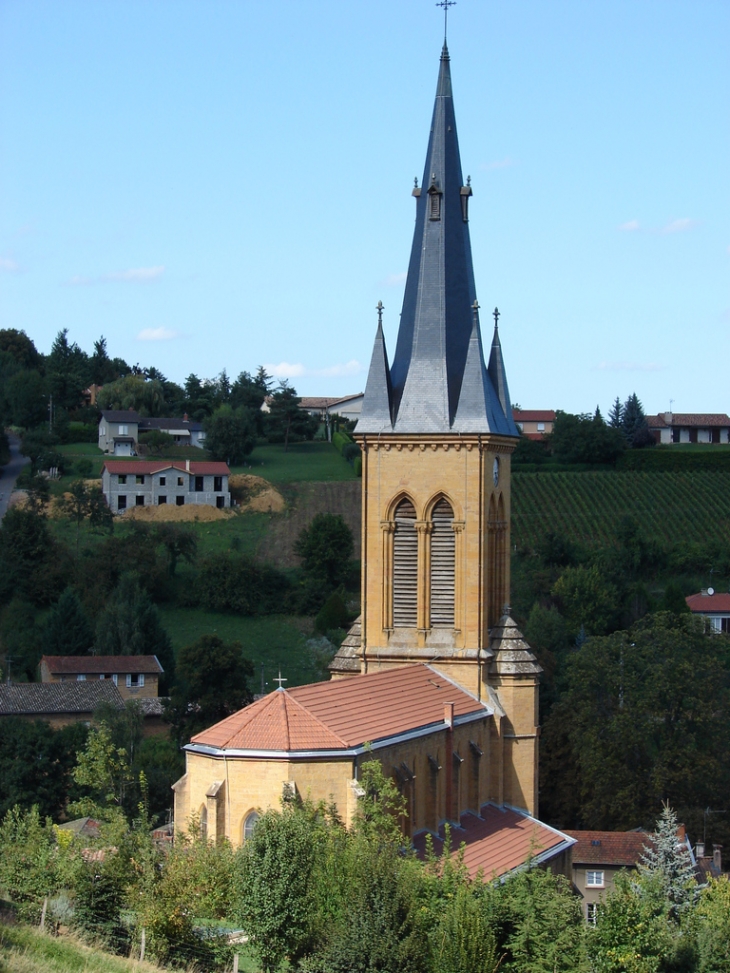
672, 507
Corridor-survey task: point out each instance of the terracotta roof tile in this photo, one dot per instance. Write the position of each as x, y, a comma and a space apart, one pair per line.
709, 603
699, 419
533, 415
343, 713
498, 841
622, 848
149, 466
71, 665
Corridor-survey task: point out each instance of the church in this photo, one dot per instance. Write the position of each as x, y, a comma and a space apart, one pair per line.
434, 678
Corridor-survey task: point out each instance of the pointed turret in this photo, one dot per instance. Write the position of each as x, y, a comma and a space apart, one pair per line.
376, 415
498, 375
475, 411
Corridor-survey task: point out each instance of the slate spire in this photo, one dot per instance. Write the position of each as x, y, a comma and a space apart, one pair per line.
378, 397
438, 373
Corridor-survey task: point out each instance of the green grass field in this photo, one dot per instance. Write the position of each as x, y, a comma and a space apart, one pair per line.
274, 641
302, 462
671, 507
25, 950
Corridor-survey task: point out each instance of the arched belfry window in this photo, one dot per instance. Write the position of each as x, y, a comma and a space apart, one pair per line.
405, 566
443, 557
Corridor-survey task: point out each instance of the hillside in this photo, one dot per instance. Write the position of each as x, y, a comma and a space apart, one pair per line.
672, 507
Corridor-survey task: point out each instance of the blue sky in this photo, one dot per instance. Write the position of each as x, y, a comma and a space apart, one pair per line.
214, 184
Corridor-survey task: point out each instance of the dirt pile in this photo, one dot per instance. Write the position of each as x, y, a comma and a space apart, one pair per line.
167, 512
255, 493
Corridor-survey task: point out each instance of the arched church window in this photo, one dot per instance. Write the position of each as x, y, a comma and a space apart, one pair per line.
405, 566
249, 824
443, 556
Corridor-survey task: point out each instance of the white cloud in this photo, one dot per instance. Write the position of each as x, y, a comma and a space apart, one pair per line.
395, 280
285, 370
8, 266
505, 163
632, 225
138, 275
629, 366
680, 226
157, 334
288, 370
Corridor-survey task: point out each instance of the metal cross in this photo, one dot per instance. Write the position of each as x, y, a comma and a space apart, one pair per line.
495, 315
280, 680
446, 4
380, 312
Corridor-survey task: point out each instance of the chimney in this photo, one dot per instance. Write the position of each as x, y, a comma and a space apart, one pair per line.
700, 849
717, 857
187, 465
449, 715
451, 813
185, 417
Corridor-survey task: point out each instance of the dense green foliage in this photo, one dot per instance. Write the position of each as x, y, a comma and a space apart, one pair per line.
236, 583
36, 764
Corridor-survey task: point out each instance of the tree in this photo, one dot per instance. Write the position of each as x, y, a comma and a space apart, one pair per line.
286, 420
634, 425
33, 566
67, 368
326, 547
68, 631
28, 860
103, 768
130, 625
178, 542
637, 724
22, 639
27, 395
585, 599
81, 502
156, 440
275, 884
230, 434
20, 348
212, 683
668, 860
463, 941
147, 397
584, 439
616, 415
36, 764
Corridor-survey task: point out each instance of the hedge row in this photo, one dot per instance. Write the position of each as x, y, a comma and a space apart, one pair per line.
349, 450
672, 458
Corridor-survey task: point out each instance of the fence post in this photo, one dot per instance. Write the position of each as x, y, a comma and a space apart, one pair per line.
141, 945
43, 913
235, 963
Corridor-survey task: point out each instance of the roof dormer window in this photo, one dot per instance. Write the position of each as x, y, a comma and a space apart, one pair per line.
434, 202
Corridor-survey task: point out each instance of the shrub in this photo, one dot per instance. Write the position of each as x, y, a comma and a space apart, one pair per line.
236, 583
332, 615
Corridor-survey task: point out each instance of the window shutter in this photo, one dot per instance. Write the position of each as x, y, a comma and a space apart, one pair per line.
405, 566
443, 548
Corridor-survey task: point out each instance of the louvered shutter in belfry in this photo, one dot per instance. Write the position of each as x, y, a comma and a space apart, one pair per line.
405, 566
442, 565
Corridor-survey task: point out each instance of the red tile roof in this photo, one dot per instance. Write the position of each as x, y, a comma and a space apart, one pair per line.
621, 848
61, 665
533, 415
704, 604
149, 466
700, 419
498, 841
343, 713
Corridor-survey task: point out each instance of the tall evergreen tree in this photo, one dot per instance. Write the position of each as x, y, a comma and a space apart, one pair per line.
615, 416
634, 425
68, 631
668, 860
130, 625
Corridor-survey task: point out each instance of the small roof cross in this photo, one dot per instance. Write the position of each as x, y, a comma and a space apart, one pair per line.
495, 315
280, 679
380, 312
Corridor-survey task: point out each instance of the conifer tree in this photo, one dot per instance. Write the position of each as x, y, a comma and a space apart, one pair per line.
615, 416
68, 631
667, 859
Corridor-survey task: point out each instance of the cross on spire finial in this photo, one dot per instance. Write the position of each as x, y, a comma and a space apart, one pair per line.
380, 312
446, 4
495, 315
280, 679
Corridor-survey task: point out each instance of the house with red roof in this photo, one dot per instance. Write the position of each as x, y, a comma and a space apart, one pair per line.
432, 736
690, 427
135, 676
714, 606
144, 483
534, 423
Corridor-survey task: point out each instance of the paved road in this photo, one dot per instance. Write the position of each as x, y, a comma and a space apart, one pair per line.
9, 474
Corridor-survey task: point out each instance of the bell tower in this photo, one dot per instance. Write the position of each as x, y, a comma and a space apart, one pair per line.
437, 434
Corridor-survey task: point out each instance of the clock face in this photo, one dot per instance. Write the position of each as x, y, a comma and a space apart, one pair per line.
495, 471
